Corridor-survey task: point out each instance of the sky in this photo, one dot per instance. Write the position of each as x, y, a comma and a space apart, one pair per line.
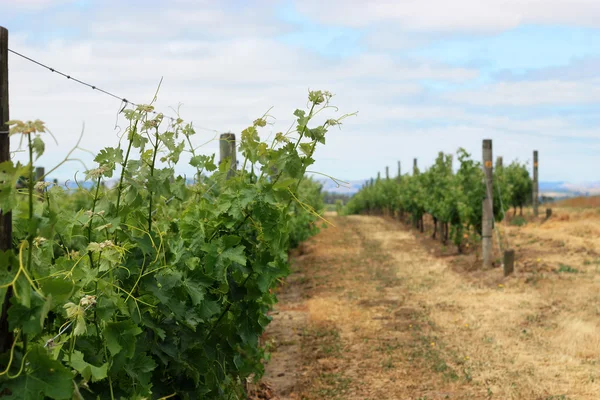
424, 76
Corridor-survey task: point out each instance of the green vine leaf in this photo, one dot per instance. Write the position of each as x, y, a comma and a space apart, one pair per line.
44, 378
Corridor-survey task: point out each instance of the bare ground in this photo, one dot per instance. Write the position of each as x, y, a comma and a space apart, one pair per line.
374, 310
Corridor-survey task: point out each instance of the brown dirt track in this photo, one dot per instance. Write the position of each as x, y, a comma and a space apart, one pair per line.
375, 310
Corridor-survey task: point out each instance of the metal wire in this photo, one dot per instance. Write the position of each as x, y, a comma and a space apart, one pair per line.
93, 87
103, 91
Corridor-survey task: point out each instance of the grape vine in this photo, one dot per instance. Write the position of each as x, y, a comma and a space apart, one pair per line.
452, 199
154, 288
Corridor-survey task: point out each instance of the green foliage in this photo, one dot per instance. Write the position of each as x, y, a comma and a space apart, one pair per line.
518, 186
153, 288
518, 221
567, 269
453, 199
339, 206
304, 212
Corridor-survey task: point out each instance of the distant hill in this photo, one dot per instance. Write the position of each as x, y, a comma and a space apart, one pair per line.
558, 189
349, 188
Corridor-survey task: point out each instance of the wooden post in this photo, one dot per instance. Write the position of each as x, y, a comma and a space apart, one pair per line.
387, 172
415, 166
39, 173
488, 205
228, 153
499, 162
6, 337
378, 176
509, 262
535, 184
399, 170
548, 213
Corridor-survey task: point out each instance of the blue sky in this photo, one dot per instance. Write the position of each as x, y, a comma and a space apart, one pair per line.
425, 76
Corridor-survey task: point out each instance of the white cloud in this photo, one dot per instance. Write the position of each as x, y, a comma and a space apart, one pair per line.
34, 5
454, 16
227, 70
532, 93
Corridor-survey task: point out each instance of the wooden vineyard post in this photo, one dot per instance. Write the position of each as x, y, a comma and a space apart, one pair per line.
39, 173
387, 173
509, 262
535, 184
227, 152
39, 177
488, 205
399, 170
415, 168
6, 337
499, 162
378, 176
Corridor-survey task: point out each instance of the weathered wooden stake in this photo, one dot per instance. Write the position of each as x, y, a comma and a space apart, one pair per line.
499, 162
6, 337
488, 205
387, 172
227, 152
509, 262
39, 173
535, 184
415, 168
548, 213
378, 176
399, 170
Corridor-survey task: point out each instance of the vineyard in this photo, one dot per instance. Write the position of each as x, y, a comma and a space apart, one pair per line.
452, 199
244, 280
153, 288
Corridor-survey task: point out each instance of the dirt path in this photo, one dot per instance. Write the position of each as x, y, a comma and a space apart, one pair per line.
371, 313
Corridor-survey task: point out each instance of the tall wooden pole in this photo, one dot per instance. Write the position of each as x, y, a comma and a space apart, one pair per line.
399, 170
415, 166
488, 205
6, 337
227, 152
387, 172
535, 184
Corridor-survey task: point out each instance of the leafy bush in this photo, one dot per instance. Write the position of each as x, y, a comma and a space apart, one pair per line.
453, 199
154, 288
518, 221
306, 211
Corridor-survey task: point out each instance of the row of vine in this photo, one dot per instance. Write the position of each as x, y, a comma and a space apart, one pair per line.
452, 198
153, 288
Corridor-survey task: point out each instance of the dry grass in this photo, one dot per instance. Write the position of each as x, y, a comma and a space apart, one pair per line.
579, 202
388, 316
